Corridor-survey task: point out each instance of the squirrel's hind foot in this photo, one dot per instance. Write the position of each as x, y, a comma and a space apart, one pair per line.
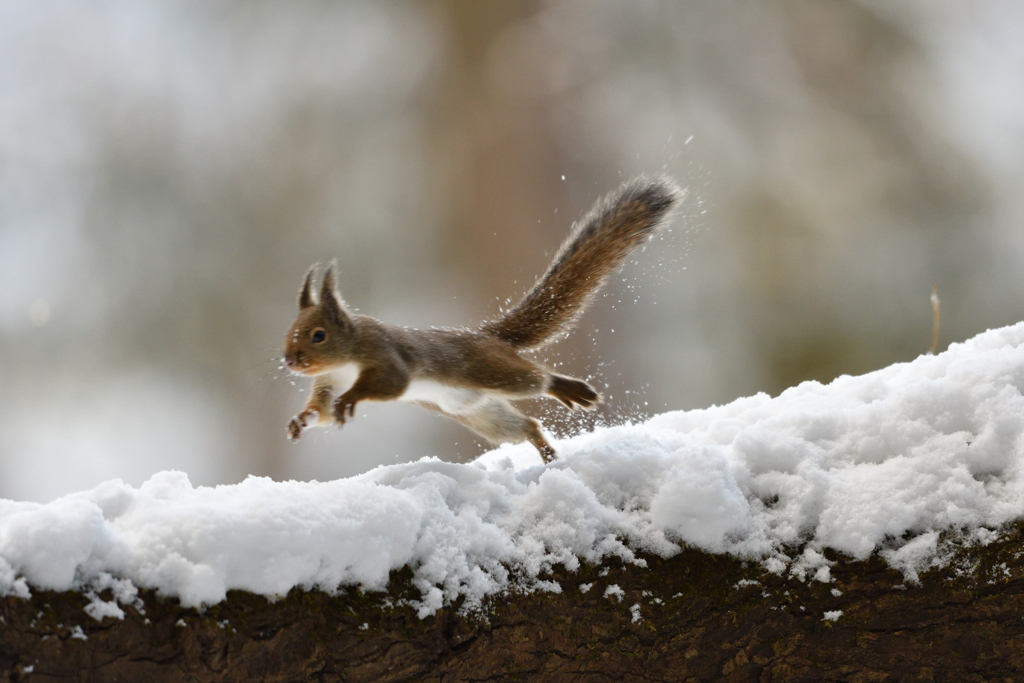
573, 392
536, 437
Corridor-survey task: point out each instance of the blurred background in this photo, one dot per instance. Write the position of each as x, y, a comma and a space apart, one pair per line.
169, 170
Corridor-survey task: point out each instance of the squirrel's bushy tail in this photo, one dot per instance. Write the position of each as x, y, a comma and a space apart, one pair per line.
595, 248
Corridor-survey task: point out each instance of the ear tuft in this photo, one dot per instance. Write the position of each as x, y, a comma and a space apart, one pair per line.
306, 298
330, 303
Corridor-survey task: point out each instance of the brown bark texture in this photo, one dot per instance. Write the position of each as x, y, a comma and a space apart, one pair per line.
694, 617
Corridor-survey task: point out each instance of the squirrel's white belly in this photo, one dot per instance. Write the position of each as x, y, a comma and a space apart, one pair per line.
449, 399
344, 376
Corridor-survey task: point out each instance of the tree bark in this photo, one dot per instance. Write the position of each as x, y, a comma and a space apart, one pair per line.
694, 617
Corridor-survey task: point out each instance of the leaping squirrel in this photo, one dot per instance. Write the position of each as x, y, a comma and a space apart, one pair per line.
471, 375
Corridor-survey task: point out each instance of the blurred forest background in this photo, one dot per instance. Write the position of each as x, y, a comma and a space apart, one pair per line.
170, 169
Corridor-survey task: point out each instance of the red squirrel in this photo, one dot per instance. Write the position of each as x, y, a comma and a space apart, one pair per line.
471, 375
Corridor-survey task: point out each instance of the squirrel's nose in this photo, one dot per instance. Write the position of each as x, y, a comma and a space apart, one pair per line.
289, 361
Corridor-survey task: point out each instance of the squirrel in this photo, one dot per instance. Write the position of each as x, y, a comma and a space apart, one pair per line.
471, 375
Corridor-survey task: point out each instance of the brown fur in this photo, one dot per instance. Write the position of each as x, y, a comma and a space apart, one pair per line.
473, 374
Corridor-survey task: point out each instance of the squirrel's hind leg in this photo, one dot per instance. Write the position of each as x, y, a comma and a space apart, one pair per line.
499, 422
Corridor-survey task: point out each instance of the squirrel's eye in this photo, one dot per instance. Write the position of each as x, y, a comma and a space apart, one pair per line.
319, 335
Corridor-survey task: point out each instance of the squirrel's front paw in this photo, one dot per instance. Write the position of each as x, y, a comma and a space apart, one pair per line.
344, 409
307, 418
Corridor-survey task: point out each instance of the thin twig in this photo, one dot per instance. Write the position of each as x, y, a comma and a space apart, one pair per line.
935, 316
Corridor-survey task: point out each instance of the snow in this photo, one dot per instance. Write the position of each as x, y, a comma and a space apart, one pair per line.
880, 463
614, 591
98, 609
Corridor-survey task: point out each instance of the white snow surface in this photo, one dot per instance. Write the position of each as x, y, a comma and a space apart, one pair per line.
876, 463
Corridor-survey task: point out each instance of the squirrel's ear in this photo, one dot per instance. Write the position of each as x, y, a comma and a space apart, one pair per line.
306, 294
330, 303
